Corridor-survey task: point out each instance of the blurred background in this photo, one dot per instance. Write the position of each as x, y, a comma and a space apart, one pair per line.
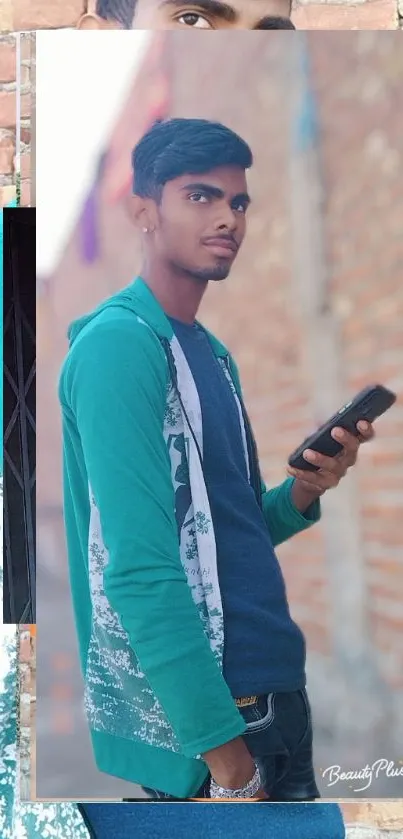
318, 292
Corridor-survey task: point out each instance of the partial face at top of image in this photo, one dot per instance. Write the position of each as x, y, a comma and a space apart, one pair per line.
189, 14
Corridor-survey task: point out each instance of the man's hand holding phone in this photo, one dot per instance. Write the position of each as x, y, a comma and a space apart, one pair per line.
309, 486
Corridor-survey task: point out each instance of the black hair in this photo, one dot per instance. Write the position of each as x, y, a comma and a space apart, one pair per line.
120, 10
177, 147
278, 23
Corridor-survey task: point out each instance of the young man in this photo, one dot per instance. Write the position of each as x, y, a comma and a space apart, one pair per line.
182, 14
194, 668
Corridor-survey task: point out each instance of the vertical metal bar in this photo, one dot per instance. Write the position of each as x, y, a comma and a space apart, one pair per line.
18, 106
23, 427
9, 611
6, 516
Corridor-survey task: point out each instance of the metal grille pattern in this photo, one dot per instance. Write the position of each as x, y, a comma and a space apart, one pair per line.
19, 416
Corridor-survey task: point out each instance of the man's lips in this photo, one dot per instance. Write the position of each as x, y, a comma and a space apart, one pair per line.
221, 243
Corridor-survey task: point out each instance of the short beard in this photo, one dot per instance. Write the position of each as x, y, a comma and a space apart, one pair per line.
205, 275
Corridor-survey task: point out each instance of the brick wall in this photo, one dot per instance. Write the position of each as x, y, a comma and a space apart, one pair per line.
361, 153
327, 14
257, 313
27, 99
8, 115
318, 14
360, 96
385, 817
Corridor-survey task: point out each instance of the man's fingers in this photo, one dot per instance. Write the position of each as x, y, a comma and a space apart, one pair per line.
328, 464
366, 430
350, 442
332, 469
314, 480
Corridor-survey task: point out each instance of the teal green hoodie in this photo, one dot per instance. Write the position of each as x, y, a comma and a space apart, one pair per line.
145, 590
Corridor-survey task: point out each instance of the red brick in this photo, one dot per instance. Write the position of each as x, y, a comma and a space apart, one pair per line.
25, 648
6, 156
26, 135
7, 194
62, 722
7, 62
317, 639
387, 815
6, 15
25, 194
26, 47
25, 678
25, 75
40, 14
26, 165
62, 692
382, 620
26, 105
7, 109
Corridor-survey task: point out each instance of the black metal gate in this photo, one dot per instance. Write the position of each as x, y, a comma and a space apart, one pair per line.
19, 415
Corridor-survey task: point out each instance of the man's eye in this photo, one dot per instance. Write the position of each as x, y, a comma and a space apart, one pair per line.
198, 197
194, 19
240, 208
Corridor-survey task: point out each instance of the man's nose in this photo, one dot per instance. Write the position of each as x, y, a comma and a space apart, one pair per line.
226, 219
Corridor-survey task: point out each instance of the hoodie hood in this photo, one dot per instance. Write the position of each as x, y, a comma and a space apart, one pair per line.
139, 299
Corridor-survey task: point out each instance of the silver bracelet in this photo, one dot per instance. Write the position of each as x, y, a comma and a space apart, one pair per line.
248, 791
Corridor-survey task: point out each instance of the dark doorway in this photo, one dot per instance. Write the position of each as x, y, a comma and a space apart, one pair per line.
19, 358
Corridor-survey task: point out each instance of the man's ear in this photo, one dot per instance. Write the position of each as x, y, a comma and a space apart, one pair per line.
91, 20
141, 212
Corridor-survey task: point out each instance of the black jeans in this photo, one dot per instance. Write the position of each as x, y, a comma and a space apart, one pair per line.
279, 737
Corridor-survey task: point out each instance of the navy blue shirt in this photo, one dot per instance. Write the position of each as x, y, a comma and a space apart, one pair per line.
214, 821
264, 650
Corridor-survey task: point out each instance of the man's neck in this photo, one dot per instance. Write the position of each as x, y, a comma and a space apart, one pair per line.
179, 294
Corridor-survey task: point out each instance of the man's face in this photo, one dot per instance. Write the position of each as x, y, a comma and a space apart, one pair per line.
202, 14
200, 222
211, 14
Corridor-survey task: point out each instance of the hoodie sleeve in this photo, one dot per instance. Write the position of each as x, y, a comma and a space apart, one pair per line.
116, 387
283, 518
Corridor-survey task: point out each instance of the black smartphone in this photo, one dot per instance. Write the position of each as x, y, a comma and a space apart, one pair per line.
368, 405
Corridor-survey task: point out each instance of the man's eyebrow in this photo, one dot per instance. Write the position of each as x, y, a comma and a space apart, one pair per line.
242, 196
199, 186
212, 7
215, 192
